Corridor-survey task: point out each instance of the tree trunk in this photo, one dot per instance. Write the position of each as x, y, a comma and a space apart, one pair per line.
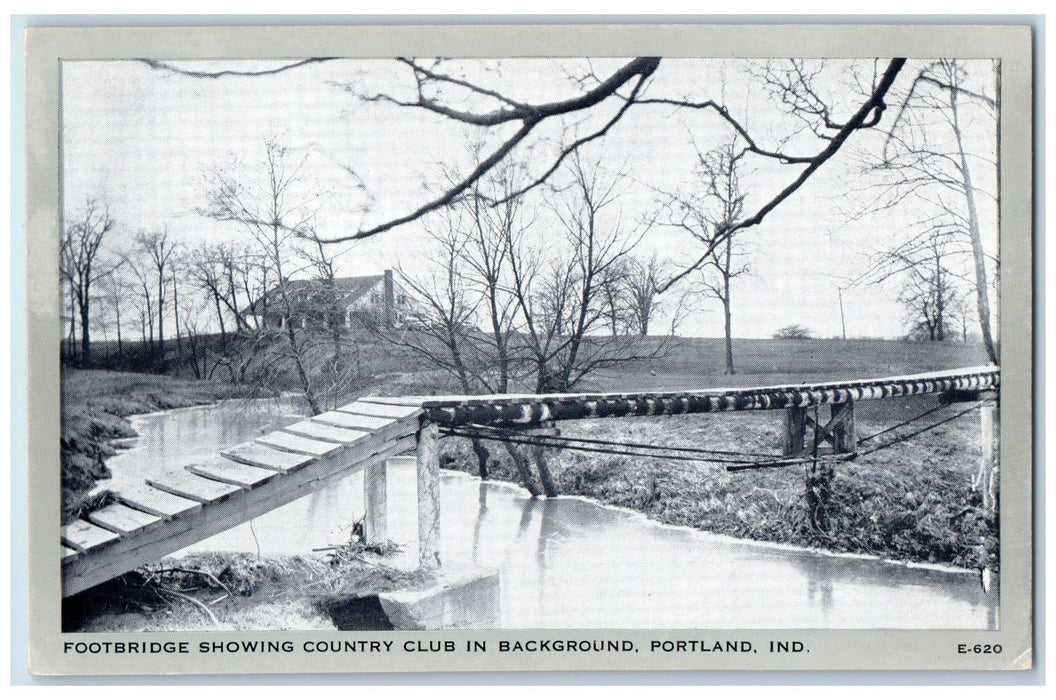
117, 313
176, 311
524, 468
982, 297
482, 457
543, 465
86, 350
161, 316
302, 373
220, 317
728, 327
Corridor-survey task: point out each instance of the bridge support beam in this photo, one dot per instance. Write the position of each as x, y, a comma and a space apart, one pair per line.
428, 454
839, 431
375, 494
986, 479
795, 431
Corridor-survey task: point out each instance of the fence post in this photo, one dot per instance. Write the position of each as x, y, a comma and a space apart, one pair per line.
795, 430
428, 454
375, 496
986, 481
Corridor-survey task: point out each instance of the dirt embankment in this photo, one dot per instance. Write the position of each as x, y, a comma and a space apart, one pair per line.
95, 404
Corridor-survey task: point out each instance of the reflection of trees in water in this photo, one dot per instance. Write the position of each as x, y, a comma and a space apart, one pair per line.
824, 575
819, 590
482, 512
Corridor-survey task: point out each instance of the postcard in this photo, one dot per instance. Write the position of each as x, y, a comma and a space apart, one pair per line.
537, 348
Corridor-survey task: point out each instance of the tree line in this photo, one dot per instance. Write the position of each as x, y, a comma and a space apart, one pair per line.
504, 304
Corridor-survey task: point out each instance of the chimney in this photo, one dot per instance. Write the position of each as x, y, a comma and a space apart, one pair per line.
389, 299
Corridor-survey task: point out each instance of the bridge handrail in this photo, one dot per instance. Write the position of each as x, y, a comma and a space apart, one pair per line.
532, 409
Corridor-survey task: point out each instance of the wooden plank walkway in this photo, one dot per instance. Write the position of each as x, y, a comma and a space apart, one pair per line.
184, 505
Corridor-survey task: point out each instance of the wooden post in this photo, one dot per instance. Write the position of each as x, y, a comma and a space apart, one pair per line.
986, 480
428, 496
795, 431
844, 434
375, 495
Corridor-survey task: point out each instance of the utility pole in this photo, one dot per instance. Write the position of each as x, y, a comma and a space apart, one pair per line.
843, 323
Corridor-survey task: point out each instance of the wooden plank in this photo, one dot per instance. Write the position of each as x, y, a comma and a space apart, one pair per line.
85, 537
408, 401
370, 423
151, 500
339, 420
230, 472
289, 442
367, 407
69, 554
329, 433
266, 457
121, 519
187, 485
129, 553
386, 428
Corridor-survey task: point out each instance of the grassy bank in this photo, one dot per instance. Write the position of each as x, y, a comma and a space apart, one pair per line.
94, 406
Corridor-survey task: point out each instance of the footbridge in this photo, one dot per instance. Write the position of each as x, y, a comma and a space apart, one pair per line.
189, 503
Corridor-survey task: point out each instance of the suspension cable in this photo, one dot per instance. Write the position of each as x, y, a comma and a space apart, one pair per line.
501, 433
692, 454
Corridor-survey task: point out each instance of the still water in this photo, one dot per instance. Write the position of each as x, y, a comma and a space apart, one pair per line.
569, 562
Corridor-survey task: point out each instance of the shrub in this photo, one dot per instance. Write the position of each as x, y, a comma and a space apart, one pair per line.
794, 332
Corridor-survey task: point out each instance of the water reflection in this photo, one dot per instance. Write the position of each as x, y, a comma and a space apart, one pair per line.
570, 563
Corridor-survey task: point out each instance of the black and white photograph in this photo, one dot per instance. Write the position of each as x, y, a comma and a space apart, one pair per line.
591, 342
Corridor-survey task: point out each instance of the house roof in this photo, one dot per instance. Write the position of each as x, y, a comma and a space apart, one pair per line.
302, 292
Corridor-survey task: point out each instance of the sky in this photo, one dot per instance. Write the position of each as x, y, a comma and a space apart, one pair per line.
145, 139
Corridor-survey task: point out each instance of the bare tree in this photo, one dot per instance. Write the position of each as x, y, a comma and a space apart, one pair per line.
926, 159
706, 214
157, 252
116, 288
143, 300
643, 281
81, 265
464, 318
560, 295
268, 212
930, 287
206, 270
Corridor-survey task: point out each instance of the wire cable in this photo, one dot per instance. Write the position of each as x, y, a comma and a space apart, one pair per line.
500, 432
